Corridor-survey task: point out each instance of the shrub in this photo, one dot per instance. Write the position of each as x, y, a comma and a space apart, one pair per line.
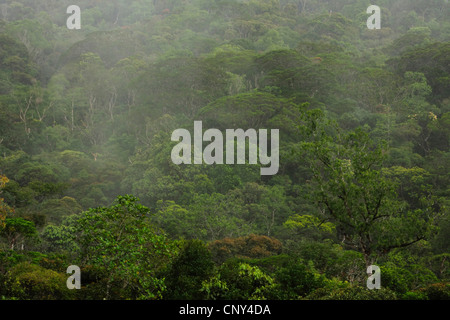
403, 280
252, 246
28, 281
415, 295
239, 281
438, 291
189, 269
296, 280
359, 293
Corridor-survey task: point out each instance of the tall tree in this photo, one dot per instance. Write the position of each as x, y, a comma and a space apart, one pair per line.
120, 240
352, 191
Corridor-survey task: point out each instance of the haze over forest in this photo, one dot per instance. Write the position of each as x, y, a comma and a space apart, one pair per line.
87, 179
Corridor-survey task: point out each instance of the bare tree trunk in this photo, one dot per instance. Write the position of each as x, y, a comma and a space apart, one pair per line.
23, 114
112, 103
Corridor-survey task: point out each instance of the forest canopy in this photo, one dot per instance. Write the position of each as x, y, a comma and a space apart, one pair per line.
86, 176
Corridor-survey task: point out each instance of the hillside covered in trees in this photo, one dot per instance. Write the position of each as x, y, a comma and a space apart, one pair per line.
87, 178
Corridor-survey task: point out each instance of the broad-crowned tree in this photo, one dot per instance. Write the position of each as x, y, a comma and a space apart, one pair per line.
352, 190
121, 241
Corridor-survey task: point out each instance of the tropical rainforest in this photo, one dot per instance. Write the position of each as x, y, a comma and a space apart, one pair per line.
87, 179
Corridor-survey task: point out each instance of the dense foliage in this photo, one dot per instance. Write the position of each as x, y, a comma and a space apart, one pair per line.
86, 176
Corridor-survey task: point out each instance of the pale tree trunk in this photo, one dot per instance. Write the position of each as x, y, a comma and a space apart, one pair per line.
23, 111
